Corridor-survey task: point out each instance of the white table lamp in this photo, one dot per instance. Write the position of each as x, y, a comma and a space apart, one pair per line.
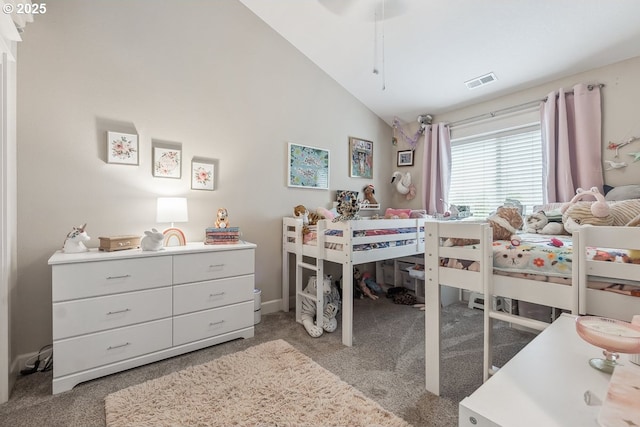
172, 210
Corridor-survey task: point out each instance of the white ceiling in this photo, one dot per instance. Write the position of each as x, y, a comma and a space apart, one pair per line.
431, 47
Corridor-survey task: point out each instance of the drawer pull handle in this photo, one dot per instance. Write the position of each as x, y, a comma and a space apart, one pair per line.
219, 294
127, 243
113, 347
216, 323
118, 311
124, 276
216, 265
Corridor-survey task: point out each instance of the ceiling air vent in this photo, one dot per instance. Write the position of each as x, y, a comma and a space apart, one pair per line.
481, 81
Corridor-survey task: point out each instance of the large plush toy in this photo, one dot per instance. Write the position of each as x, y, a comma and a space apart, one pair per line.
315, 323
578, 213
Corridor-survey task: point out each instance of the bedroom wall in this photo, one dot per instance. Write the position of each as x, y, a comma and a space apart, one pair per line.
208, 75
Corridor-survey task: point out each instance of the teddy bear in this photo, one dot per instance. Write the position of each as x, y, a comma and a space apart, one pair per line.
222, 218
331, 302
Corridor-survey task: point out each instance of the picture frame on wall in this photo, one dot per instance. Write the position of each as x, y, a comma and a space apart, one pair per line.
202, 174
360, 158
405, 158
122, 148
308, 167
167, 160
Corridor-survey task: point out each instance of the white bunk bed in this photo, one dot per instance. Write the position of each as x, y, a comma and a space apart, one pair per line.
608, 288
483, 281
348, 243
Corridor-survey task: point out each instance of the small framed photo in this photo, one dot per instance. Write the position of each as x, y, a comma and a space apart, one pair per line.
405, 158
308, 167
202, 174
122, 148
360, 158
167, 160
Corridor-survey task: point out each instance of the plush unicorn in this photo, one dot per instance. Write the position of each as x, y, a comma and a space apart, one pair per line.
73, 242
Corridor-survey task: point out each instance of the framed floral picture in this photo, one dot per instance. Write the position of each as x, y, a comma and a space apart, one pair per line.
360, 158
122, 148
308, 167
202, 174
167, 160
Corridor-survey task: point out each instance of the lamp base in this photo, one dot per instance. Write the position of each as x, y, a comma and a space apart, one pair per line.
174, 237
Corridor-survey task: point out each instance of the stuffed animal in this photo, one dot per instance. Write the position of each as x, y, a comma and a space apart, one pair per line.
222, 218
73, 242
505, 222
579, 213
348, 206
538, 222
369, 197
365, 284
152, 241
332, 305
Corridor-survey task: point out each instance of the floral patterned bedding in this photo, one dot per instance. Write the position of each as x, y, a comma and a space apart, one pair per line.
536, 254
538, 258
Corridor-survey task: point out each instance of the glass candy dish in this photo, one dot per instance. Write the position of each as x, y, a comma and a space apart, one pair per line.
613, 336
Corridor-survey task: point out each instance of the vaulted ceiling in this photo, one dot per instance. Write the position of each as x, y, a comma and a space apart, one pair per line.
402, 58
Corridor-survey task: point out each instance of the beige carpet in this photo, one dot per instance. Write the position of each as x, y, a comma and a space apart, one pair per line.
269, 384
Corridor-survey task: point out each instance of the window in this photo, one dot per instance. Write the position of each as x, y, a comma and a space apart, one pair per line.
490, 168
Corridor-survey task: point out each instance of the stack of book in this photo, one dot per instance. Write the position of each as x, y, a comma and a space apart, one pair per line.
222, 236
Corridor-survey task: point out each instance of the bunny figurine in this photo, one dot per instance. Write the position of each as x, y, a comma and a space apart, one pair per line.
152, 241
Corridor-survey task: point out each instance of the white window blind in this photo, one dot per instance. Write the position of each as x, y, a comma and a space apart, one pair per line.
488, 169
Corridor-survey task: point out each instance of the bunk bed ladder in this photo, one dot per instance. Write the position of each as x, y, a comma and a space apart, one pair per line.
317, 268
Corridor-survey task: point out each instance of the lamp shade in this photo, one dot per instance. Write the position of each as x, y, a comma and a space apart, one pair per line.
172, 209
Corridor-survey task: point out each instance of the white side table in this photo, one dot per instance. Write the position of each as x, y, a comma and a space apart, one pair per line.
543, 385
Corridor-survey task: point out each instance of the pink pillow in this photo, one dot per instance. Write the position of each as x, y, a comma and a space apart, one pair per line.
397, 213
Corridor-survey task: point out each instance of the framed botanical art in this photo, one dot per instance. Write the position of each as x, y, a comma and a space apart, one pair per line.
202, 174
167, 160
308, 167
360, 158
405, 158
122, 148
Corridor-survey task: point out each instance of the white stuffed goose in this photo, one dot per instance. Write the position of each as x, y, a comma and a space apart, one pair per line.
403, 184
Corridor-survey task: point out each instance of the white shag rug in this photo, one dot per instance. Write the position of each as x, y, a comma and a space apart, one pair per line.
270, 384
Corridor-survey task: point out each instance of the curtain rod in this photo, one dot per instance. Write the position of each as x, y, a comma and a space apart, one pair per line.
512, 109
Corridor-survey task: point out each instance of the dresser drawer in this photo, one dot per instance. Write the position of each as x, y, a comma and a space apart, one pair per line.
209, 323
211, 294
102, 348
197, 267
90, 279
72, 318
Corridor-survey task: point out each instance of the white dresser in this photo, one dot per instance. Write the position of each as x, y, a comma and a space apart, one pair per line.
543, 385
117, 310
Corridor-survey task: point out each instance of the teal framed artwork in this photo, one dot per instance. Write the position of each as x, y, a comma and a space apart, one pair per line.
308, 167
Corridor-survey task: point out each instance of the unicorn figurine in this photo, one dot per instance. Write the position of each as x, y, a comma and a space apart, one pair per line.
73, 242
